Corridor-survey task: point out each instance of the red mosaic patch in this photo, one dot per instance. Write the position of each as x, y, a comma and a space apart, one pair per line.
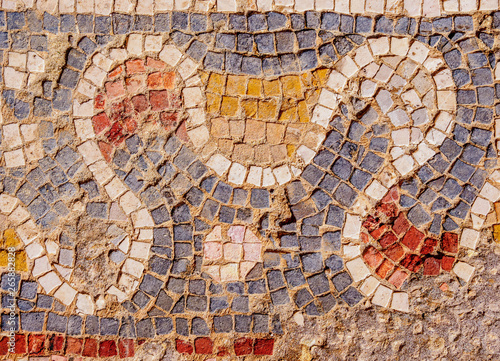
397, 247
136, 93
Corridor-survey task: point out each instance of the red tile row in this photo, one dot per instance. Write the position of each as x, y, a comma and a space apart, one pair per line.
242, 346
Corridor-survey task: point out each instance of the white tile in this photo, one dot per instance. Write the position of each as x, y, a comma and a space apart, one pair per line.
282, 174
254, 176
369, 286
66, 294
382, 296
400, 302
50, 281
237, 173
352, 227
463, 270
469, 238
358, 269
140, 250
133, 268
219, 164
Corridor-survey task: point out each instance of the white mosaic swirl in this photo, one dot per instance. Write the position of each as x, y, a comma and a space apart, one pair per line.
420, 122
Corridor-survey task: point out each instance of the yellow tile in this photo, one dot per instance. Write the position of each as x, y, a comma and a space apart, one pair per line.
267, 109
204, 76
216, 83
322, 76
254, 87
303, 112
213, 103
497, 210
496, 233
249, 107
236, 85
229, 106
4, 258
291, 86
307, 79
312, 97
10, 239
288, 115
272, 88
290, 150
21, 263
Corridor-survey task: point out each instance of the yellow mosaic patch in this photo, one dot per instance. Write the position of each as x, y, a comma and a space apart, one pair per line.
258, 112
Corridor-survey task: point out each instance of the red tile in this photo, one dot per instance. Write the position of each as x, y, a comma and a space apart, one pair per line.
429, 246
107, 348
447, 263
100, 122
134, 83
106, 150
263, 346
159, 99
379, 231
135, 66
170, 121
203, 345
181, 132
169, 80
74, 346
243, 346
391, 196
114, 89
388, 239
36, 344
175, 100
155, 81
412, 262
130, 125
155, 64
20, 346
115, 134
140, 103
4, 346
413, 238
90, 348
431, 266
183, 347
100, 101
56, 343
389, 209
365, 238
372, 257
449, 242
398, 278
115, 72
126, 348
371, 223
401, 224
385, 268
395, 252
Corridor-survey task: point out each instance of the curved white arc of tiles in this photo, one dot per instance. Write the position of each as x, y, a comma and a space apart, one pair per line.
348, 67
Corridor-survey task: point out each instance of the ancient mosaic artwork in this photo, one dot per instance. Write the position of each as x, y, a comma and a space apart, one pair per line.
249, 180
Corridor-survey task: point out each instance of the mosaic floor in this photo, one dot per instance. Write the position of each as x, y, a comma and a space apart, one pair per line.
233, 180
